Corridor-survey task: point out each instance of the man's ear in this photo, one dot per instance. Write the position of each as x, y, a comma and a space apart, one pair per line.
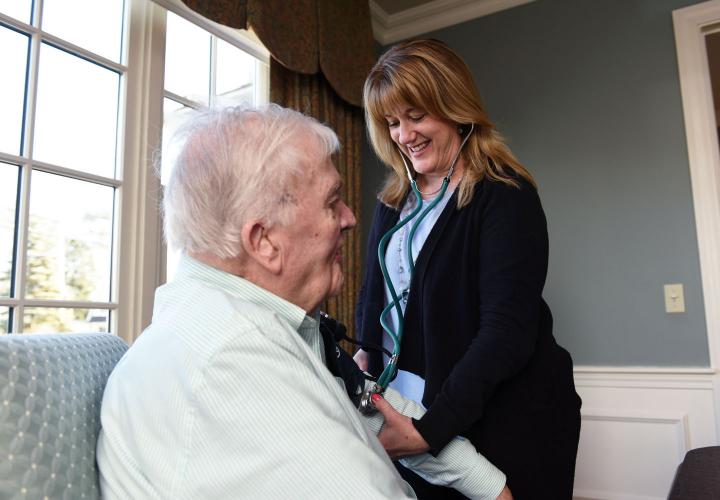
260, 245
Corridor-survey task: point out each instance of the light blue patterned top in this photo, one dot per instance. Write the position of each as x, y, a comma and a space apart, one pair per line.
406, 383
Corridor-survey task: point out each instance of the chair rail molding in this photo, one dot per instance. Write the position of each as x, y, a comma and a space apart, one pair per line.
637, 425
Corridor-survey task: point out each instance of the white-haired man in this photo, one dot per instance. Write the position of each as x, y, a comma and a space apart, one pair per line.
227, 394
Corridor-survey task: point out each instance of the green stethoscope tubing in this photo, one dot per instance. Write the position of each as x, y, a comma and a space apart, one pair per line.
390, 371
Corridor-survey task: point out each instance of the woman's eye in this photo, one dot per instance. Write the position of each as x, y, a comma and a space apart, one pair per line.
417, 118
392, 124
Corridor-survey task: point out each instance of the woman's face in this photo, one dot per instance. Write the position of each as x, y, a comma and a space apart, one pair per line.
430, 142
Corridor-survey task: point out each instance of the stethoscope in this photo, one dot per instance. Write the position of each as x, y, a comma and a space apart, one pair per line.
390, 371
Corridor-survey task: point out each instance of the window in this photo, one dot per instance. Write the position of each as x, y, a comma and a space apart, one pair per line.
201, 70
82, 113
60, 169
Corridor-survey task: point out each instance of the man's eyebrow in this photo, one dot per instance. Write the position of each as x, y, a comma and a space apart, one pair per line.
335, 190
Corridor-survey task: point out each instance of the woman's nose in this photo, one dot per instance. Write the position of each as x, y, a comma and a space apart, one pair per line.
405, 133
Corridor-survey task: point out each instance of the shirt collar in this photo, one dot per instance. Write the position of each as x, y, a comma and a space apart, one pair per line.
243, 289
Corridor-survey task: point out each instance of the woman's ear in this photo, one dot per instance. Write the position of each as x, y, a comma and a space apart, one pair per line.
261, 246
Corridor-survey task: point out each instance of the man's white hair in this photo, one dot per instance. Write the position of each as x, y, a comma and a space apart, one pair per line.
237, 164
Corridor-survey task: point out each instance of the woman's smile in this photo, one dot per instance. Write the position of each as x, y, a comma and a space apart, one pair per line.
430, 142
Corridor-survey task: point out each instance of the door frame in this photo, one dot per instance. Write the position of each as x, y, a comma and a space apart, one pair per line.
691, 24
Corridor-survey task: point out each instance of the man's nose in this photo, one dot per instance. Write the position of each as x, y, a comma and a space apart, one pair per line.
347, 218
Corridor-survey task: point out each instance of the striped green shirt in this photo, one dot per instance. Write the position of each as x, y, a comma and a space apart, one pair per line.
225, 395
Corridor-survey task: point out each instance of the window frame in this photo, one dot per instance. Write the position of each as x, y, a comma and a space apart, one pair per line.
138, 245
143, 252
27, 164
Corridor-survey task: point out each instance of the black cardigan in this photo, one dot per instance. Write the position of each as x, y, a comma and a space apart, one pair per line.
476, 326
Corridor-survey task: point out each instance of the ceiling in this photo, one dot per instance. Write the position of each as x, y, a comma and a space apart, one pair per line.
395, 6
395, 20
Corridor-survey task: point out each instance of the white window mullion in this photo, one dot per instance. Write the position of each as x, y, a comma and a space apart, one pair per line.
21, 253
262, 82
182, 100
213, 71
61, 44
72, 304
26, 169
76, 174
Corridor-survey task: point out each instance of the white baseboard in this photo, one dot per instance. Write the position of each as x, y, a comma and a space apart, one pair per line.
637, 425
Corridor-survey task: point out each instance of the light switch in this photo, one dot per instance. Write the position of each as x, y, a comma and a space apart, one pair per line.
674, 298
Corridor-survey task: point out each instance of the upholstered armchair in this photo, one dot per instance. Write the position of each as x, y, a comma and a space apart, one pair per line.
698, 476
51, 388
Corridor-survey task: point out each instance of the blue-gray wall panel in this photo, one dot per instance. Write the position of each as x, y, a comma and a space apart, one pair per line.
587, 94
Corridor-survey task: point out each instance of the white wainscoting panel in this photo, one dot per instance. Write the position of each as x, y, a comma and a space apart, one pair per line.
637, 425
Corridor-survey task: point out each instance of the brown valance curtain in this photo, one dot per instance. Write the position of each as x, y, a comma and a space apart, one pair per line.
322, 50
306, 36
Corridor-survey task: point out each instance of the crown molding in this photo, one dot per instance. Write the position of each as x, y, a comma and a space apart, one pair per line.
431, 16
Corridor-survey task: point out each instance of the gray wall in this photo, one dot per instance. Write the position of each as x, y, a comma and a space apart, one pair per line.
587, 94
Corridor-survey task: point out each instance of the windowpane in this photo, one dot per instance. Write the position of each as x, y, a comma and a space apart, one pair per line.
4, 318
8, 198
13, 60
174, 115
187, 60
63, 319
77, 112
19, 9
93, 25
69, 252
235, 75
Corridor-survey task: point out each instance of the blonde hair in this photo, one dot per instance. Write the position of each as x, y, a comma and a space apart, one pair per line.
429, 75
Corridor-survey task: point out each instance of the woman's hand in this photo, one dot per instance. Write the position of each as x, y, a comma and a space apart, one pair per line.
505, 494
361, 359
398, 435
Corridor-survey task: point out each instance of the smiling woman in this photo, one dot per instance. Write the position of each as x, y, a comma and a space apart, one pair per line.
478, 350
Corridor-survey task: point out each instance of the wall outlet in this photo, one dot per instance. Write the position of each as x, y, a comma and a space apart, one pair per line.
674, 298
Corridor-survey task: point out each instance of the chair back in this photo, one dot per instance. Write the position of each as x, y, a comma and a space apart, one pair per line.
51, 388
698, 476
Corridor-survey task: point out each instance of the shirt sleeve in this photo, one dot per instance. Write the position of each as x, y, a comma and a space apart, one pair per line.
458, 466
512, 253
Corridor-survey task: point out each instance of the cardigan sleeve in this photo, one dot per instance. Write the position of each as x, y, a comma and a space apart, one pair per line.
370, 255
512, 250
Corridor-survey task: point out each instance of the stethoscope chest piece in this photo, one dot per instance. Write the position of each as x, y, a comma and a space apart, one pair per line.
367, 407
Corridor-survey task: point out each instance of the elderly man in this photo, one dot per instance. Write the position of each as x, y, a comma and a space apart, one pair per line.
227, 394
